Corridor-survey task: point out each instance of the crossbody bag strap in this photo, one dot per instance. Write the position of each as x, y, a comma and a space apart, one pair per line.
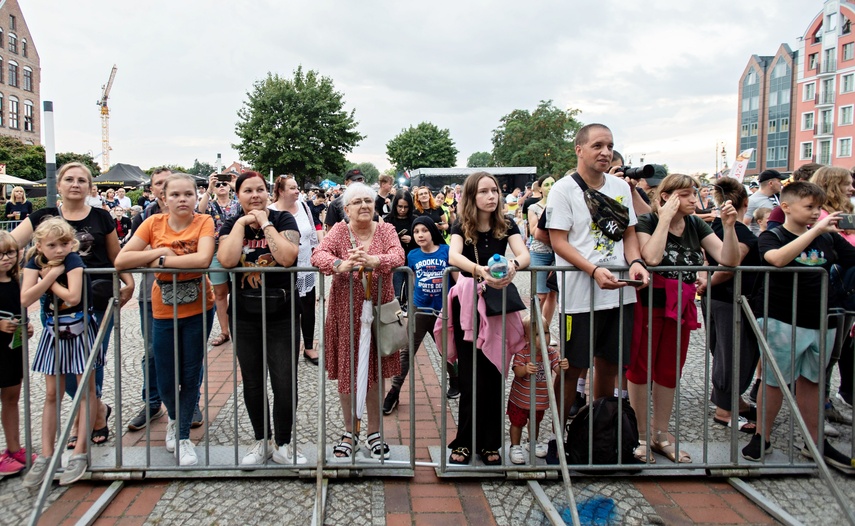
581, 182
366, 281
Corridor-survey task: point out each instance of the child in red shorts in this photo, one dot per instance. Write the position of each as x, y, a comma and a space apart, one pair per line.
519, 401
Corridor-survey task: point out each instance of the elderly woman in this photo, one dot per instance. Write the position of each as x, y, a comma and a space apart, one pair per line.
362, 243
258, 237
286, 196
18, 208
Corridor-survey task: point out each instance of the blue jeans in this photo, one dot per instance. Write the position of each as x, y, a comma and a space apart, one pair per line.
70, 379
191, 358
150, 394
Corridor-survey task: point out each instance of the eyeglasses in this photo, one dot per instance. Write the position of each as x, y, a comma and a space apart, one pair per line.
11, 254
360, 202
220, 185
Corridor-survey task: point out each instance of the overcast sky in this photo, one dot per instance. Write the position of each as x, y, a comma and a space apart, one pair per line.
662, 74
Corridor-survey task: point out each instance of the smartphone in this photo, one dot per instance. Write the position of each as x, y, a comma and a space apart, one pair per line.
224, 178
402, 232
847, 222
631, 282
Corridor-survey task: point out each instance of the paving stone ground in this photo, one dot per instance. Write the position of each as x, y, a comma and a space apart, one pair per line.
424, 499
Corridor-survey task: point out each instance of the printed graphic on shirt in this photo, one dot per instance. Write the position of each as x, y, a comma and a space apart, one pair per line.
812, 258
429, 272
86, 240
184, 246
603, 244
255, 254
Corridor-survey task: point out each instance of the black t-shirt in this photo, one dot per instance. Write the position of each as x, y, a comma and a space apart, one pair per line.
527, 203
143, 201
10, 301
256, 253
433, 213
72, 261
25, 209
335, 212
317, 210
682, 250
91, 232
724, 291
824, 251
487, 245
383, 205
404, 227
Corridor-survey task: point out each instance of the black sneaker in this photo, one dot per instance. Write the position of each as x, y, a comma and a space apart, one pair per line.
833, 458
754, 390
198, 419
578, 404
845, 397
391, 400
139, 422
453, 390
753, 450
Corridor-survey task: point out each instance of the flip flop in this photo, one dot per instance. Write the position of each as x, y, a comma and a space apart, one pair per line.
750, 414
220, 340
72, 442
102, 435
669, 451
742, 424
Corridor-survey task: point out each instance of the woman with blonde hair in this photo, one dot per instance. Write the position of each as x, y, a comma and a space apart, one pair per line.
18, 208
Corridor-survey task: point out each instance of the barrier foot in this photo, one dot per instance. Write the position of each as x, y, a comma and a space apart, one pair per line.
545, 504
320, 504
101, 504
767, 505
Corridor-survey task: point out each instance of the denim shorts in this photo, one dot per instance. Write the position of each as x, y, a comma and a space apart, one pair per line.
542, 259
795, 358
218, 278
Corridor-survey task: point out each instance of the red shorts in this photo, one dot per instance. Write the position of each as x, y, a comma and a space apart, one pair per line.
519, 416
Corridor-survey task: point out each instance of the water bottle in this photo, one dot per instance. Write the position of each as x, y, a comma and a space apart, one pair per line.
498, 266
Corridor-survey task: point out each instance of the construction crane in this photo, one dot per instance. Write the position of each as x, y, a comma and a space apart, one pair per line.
105, 122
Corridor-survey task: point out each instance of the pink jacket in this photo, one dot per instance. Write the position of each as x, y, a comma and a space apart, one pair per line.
689, 316
489, 328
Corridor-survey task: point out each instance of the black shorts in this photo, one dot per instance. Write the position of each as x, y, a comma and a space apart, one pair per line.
12, 371
607, 336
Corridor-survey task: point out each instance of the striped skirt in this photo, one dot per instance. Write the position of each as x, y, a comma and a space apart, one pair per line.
72, 355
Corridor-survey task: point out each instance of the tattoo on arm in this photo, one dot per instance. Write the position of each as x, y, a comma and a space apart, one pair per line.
293, 236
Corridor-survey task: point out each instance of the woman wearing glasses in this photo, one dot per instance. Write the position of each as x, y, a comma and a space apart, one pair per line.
222, 207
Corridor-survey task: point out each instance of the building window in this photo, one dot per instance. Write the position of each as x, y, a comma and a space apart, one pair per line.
848, 51
773, 98
807, 121
12, 22
744, 131
847, 85
13, 43
13, 113
810, 91
845, 115
755, 102
1, 109
812, 59
28, 115
780, 69
844, 147
751, 78
753, 128
783, 153
746, 104
24, 47
846, 26
785, 125
807, 151
784, 97
28, 79
773, 126
770, 153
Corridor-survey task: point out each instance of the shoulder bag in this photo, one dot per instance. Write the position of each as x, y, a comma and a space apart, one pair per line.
493, 297
610, 216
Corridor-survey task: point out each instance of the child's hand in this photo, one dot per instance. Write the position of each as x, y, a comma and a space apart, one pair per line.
52, 271
828, 223
8, 326
728, 214
30, 330
564, 364
531, 368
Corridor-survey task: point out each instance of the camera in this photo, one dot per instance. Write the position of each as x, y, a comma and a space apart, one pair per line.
642, 172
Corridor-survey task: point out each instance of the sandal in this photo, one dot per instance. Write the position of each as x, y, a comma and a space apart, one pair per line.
484, 455
100, 436
460, 452
379, 449
221, 339
643, 454
667, 449
750, 413
72, 442
345, 449
742, 424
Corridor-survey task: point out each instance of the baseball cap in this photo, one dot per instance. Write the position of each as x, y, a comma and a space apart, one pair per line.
767, 175
354, 175
659, 173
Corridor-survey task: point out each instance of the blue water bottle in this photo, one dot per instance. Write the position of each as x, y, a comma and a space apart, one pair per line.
498, 266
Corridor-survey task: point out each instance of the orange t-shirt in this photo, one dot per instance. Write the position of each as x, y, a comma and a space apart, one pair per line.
155, 231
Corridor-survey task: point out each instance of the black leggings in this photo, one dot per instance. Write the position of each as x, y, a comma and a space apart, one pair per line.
305, 319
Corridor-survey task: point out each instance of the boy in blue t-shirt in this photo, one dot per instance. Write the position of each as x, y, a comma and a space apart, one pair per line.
428, 263
795, 245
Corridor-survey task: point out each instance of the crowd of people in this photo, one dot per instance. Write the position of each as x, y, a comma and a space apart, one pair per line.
628, 308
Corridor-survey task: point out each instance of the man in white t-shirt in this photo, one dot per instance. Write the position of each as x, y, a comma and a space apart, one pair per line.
767, 197
124, 201
579, 242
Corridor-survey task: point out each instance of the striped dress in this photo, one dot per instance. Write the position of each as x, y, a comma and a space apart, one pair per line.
61, 355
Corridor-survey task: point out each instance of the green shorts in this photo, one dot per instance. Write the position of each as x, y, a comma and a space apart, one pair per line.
217, 278
795, 358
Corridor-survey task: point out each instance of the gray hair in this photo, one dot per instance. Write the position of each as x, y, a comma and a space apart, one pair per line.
355, 190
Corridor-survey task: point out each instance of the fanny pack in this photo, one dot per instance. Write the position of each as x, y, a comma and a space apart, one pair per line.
179, 293
610, 216
70, 326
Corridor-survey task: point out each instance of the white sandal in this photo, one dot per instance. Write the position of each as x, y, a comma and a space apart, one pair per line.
344, 449
379, 449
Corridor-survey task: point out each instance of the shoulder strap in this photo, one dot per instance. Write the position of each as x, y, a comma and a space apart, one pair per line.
578, 178
778, 234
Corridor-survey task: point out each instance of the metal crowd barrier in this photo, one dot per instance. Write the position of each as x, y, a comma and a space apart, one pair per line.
9, 225
219, 457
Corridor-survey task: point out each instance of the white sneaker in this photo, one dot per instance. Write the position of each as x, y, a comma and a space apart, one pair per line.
541, 449
831, 431
286, 454
517, 454
256, 456
187, 453
170, 436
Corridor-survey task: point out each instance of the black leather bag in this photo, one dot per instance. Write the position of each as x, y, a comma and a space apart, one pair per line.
493, 300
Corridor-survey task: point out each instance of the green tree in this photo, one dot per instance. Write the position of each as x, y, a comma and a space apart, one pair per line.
202, 168
83, 158
368, 169
297, 125
22, 160
174, 168
543, 138
423, 146
479, 159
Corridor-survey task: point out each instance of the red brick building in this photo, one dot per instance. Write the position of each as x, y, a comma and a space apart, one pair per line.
20, 76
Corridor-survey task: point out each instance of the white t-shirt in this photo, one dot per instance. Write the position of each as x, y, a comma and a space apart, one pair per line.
125, 202
566, 210
759, 200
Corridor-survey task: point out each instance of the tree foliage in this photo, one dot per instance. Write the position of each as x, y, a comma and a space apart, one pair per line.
297, 125
201, 168
174, 168
543, 138
26, 161
423, 146
83, 158
479, 159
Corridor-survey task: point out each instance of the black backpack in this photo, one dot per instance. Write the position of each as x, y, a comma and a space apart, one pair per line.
605, 450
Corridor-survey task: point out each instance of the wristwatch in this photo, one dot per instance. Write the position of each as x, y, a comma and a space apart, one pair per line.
336, 264
265, 225
161, 261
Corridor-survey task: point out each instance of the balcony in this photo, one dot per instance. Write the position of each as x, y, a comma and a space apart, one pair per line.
825, 128
828, 67
826, 99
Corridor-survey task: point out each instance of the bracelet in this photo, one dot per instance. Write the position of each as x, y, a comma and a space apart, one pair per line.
516, 263
640, 262
595, 270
